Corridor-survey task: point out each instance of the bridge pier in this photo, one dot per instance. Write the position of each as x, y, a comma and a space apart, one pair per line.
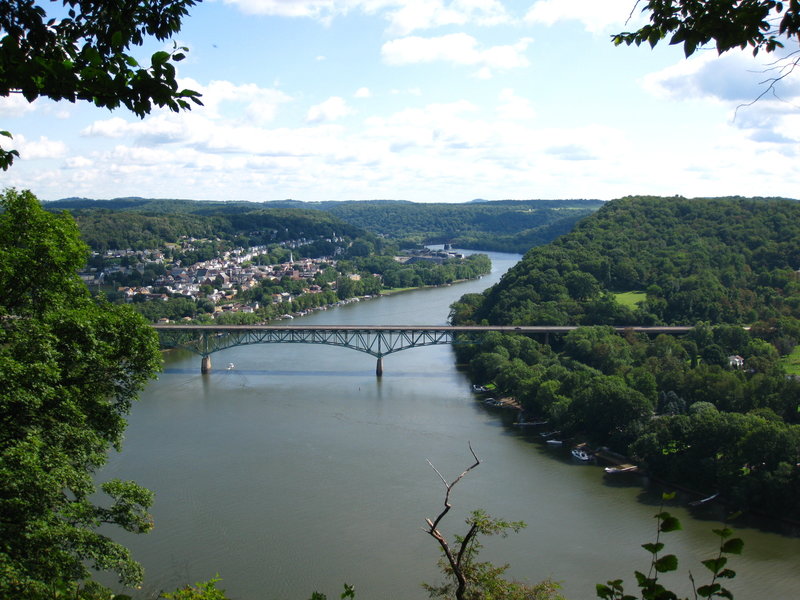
379, 367
205, 365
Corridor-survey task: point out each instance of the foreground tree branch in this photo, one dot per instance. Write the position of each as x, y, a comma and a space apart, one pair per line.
469, 579
87, 55
456, 561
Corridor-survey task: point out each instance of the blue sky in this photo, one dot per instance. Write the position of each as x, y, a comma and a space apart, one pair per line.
422, 100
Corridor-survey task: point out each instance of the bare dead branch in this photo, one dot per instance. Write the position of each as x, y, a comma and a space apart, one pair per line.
633, 9
454, 561
784, 67
449, 486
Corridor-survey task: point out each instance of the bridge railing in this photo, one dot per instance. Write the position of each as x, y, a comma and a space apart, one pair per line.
375, 340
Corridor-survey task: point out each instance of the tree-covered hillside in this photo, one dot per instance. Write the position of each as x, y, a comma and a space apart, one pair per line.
139, 223
506, 225
718, 260
715, 409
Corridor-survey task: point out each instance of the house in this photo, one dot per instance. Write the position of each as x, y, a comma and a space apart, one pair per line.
736, 362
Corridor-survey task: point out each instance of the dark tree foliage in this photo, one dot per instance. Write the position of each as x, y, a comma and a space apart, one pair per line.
714, 409
718, 260
504, 226
140, 224
81, 51
759, 24
70, 366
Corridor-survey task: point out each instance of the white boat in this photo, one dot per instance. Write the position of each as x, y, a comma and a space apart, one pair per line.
622, 469
581, 454
554, 442
230, 366
530, 423
710, 498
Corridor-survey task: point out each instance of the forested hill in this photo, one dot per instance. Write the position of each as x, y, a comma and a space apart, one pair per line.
718, 260
503, 225
500, 225
139, 223
716, 410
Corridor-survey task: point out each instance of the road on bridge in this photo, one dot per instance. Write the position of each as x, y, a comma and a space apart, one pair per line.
376, 340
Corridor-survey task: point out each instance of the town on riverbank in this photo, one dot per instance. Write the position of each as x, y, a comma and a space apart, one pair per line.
244, 286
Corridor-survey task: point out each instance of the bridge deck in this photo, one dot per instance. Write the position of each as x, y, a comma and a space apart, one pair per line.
376, 340
534, 329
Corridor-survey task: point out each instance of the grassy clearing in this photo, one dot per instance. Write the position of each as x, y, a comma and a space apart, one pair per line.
388, 291
792, 362
630, 299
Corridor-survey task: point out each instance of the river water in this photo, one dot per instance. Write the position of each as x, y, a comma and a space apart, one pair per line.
299, 470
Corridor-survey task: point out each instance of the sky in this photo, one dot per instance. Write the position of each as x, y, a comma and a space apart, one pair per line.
427, 101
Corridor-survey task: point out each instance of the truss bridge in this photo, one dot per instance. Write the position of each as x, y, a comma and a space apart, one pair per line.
375, 340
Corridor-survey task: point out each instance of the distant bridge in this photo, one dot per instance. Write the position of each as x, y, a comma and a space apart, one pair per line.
375, 340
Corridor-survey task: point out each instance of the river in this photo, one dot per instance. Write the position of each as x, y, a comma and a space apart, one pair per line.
299, 470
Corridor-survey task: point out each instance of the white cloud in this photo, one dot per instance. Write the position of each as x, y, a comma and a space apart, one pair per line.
733, 77
15, 105
41, 148
114, 127
595, 16
410, 91
413, 15
404, 16
332, 109
159, 129
223, 102
456, 48
432, 129
290, 8
362, 92
738, 81
514, 108
78, 162
223, 97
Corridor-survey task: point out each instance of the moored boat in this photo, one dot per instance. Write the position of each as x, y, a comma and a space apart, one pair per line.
548, 434
582, 455
710, 498
626, 468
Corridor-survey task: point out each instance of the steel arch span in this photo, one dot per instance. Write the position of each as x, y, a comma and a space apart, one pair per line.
375, 340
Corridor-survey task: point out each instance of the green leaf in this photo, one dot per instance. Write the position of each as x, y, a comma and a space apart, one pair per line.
666, 563
715, 564
670, 523
159, 58
723, 533
706, 591
733, 546
603, 591
653, 548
